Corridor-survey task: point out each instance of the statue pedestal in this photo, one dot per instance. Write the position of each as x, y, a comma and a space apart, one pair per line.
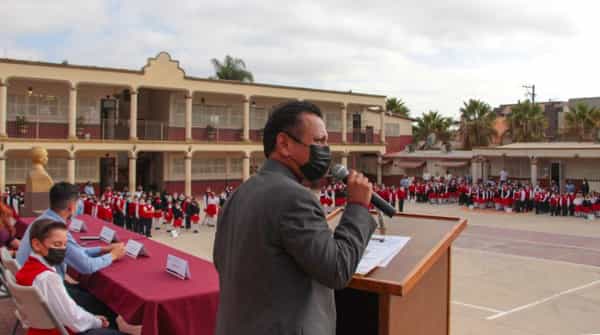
35, 203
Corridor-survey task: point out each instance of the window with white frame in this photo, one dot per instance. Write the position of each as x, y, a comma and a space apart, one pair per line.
258, 117
178, 167
203, 167
42, 107
177, 110
86, 168
235, 165
17, 170
88, 108
333, 120
57, 169
219, 116
392, 129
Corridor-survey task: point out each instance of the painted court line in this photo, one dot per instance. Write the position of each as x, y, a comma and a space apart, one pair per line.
558, 245
486, 309
526, 258
538, 302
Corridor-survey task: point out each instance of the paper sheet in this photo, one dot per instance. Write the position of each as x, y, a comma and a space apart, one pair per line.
380, 251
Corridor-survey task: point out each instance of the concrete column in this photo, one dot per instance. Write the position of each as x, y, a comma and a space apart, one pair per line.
344, 124
71, 168
73, 112
379, 169
382, 125
3, 112
188, 117
246, 119
132, 170
345, 159
188, 174
484, 169
246, 166
534, 171
2, 173
475, 169
133, 111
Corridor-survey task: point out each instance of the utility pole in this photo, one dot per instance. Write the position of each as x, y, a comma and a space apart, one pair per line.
530, 93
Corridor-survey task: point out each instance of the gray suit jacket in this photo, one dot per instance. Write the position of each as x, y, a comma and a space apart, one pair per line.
277, 259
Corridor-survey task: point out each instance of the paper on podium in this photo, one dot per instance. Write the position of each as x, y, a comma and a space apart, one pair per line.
380, 251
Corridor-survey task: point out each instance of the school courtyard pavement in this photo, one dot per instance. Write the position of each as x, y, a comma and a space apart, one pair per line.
512, 274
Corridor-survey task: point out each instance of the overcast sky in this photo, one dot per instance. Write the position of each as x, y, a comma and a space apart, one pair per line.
433, 54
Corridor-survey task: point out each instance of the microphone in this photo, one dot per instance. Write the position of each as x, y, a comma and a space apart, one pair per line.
341, 173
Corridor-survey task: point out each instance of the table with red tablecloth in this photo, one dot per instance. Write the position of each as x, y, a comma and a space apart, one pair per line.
144, 293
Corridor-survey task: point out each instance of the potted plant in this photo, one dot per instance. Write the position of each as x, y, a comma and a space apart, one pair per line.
22, 126
211, 132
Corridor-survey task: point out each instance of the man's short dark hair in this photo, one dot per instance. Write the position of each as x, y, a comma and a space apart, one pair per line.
61, 194
286, 117
41, 229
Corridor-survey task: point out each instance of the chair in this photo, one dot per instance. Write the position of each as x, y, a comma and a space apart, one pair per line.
32, 309
9, 262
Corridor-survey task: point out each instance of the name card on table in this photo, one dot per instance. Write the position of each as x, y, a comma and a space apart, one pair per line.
77, 226
178, 267
108, 235
134, 249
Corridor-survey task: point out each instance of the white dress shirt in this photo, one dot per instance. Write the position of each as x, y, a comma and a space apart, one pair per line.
50, 286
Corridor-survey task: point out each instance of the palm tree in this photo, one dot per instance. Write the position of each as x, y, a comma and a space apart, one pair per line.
397, 106
476, 124
526, 122
231, 69
581, 121
432, 122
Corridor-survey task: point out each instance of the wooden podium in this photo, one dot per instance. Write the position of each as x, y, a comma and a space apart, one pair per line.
412, 294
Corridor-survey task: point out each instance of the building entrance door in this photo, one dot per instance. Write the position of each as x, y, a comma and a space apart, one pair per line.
555, 174
108, 113
107, 173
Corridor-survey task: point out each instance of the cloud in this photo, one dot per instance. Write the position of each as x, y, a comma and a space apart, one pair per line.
431, 54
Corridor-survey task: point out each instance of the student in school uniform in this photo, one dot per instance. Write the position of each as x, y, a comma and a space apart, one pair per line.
146, 214
187, 210
119, 210
168, 214
211, 210
401, 196
194, 212
158, 211
177, 217
132, 213
108, 212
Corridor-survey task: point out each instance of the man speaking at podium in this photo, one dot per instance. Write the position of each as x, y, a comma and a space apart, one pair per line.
277, 259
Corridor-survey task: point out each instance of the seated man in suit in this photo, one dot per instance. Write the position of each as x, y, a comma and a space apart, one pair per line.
278, 260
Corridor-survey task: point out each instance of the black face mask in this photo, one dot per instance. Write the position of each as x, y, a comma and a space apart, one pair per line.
318, 161
55, 256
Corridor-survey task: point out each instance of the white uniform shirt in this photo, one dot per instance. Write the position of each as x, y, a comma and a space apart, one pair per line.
50, 286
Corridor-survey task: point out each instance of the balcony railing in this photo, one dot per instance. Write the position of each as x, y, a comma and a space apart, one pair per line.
366, 135
35, 129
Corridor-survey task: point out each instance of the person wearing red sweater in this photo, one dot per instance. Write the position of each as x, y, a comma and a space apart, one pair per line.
146, 213
401, 196
49, 244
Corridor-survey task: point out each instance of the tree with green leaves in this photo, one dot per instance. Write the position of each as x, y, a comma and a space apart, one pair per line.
432, 122
526, 122
231, 69
581, 121
397, 106
476, 125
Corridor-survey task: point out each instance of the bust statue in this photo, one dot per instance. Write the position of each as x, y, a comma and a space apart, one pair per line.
38, 179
